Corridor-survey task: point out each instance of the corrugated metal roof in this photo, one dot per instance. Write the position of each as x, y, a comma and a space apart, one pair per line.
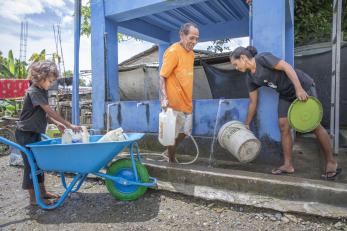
203, 13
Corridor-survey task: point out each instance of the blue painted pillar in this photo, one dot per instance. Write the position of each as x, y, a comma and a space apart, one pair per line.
75, 85
111, 52
162, 49
269, 34
290, 31
104, 52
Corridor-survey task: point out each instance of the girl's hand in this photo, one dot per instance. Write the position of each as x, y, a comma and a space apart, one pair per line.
61, 127
75, 128
302, 95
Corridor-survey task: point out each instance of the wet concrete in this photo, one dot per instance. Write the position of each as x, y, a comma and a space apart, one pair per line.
304, 191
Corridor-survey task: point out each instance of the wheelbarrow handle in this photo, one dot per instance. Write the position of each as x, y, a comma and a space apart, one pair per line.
14, 145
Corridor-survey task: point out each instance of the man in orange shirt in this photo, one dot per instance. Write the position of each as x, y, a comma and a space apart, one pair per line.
176, 82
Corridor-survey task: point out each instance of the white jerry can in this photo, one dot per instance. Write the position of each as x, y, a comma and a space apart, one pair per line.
167, 127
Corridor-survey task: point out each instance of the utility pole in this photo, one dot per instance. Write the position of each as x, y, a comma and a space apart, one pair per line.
335, 80
23, 41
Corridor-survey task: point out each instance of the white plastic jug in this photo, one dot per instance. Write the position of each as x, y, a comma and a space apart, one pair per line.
167, 127
76, 137
85, 135
67, 137
113, 135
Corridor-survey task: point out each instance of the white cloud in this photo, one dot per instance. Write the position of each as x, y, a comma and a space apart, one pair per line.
15, 9
54, 3
67, 20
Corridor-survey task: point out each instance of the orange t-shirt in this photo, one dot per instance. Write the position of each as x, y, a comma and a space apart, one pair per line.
178, 69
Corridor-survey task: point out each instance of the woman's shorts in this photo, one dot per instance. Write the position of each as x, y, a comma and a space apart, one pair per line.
283, 104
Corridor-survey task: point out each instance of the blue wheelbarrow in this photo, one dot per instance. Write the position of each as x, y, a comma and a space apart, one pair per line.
126, 179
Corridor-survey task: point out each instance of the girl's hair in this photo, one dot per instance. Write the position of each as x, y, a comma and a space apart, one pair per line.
249, 51
40, 70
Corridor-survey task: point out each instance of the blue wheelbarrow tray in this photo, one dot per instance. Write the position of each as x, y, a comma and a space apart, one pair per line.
82, 159
51, 155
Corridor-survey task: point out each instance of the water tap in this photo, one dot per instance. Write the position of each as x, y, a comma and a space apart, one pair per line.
223, 101
141, 103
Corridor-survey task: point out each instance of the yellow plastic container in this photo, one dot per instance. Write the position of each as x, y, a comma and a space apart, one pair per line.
52, 131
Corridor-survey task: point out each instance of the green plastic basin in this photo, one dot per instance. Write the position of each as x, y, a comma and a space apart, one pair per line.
305, 116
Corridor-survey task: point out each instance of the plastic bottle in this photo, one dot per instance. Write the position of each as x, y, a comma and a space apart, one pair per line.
76, 137
167, 127
67, 137
85, 135
113, 135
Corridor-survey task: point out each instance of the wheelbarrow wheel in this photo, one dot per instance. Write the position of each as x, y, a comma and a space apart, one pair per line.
123, 168
8, 134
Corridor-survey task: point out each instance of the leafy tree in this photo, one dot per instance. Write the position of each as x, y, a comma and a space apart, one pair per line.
35, 57
68, 74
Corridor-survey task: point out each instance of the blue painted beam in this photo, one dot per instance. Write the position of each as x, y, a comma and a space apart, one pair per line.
230, 29
75, 85
124, 10
135, 116
269, 35
140, 29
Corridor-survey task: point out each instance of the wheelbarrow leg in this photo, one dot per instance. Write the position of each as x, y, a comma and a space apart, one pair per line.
133, 161
68, 190
33, 168
62, 176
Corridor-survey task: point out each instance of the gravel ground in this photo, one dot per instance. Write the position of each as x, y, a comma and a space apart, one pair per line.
92, 208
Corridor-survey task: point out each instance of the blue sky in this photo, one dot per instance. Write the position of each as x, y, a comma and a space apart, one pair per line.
41, 16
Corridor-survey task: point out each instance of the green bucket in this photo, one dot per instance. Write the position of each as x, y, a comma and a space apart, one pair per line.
305, 116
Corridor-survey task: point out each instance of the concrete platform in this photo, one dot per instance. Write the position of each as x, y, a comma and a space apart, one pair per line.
251, 184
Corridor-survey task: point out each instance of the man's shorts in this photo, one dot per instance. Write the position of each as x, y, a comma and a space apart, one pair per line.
184, 123
283, 105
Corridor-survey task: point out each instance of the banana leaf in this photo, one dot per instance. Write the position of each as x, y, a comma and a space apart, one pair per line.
11, 62
5, 72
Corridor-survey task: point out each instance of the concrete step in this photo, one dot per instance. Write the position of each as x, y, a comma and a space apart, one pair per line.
281, 193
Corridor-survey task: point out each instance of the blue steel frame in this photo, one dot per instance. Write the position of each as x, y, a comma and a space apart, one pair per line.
79, 178
270, 25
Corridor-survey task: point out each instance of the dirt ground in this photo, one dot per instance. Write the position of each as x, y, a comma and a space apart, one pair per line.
93, 208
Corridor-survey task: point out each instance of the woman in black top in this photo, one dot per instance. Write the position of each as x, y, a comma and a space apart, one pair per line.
265, 69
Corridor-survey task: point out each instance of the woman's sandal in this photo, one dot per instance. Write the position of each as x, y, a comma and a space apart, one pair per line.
332, 175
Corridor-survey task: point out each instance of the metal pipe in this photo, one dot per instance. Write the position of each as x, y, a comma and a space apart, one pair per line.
108, 123
75, 80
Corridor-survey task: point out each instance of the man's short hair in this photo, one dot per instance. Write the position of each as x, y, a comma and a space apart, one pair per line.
186, 27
